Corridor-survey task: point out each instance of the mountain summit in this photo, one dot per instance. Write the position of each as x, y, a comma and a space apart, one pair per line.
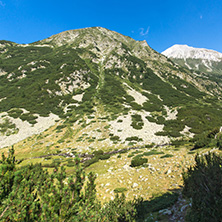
185, 52
201, 59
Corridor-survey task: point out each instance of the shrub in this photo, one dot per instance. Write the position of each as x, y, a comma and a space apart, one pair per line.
151, 119
138, 161
135, 106
120, 190
30, 193
161, 133
114, 138
90, 162
134, 138
202, 183
137, 151
15, 113
137, 122
130, 155
98, 152
219, 141
123, 151
149, 145
202, 142
104, 157
178, 143
152, 152
166, 156
7, 127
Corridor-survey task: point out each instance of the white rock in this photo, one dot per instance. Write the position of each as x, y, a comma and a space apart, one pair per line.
135, 185
169, 171
165, 212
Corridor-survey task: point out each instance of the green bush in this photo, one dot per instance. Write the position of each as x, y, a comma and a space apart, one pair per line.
202, 142
135, 106
114, 138
151, 119
130, 155
138, 161
149, 145
166, 156
178, 143
137, 122
202, 183
30, 193
15, 113
90, 162
98, 152
104, 156
134, 138
7, 127
120, 190
153, 152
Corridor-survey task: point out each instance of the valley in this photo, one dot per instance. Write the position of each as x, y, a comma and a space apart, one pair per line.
133, 116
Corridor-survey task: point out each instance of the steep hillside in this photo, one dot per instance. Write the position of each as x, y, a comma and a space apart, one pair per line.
97, 88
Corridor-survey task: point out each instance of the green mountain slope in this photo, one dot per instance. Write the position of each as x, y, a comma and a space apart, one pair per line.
98, 88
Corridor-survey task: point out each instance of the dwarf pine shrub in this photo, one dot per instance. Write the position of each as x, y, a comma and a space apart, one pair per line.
202, 183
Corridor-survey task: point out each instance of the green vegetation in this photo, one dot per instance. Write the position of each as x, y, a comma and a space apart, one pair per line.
98, 155
158, 202
134, 138
207, 139
137, 122
29, 118
167, 156
138, 161
114, 138
120, 190
7, 127
30, 193
15, 113
43, 80
202, 183
153, 152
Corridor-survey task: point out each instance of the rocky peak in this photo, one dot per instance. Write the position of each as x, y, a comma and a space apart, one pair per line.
185, 52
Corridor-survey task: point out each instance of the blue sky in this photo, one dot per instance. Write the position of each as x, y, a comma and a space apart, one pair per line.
162, 23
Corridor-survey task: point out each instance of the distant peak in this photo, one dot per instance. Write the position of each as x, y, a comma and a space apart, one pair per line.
185, 51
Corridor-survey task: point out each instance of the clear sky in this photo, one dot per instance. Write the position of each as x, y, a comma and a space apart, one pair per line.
162, 23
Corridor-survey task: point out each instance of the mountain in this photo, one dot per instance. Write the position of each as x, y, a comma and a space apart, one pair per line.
94, 88
203, 60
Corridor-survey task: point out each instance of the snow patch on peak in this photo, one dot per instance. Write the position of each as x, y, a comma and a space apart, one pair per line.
185, 52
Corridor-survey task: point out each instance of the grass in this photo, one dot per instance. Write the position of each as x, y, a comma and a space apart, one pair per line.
153, 152
116, 172
149, 182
